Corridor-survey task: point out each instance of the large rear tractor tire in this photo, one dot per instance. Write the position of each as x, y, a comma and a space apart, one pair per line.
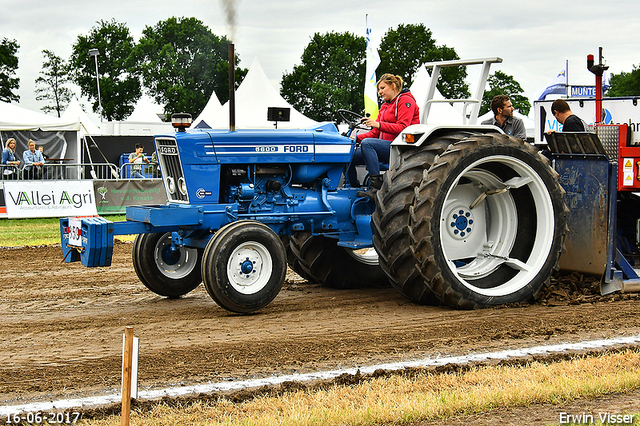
326, 263
391, 220
293, 261
167, 271
244, 266
489, 223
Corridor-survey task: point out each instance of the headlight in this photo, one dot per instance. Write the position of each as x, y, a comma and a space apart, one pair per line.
182, 186
171, 185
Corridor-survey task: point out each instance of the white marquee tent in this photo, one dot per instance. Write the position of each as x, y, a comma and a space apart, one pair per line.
143, 121
58, 136
213, 105
252, 99
13, 117
146, 111
440, 113
75, 112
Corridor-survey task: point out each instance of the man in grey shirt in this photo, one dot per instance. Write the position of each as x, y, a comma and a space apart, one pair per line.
503, 118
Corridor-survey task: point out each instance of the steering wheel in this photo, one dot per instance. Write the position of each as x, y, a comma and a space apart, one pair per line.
353, 119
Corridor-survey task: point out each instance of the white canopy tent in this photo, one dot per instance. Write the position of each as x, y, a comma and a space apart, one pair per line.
440, 112
58, 136
252, 99
143, 121
74, 111
146, 111
13, 117
212, 106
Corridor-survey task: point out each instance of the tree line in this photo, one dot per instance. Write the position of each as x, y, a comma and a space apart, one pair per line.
179, 62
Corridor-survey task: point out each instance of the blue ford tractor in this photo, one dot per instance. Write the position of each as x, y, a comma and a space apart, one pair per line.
467, 216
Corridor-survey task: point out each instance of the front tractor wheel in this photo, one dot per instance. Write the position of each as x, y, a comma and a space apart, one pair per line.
488, 223
163, 268
244, 266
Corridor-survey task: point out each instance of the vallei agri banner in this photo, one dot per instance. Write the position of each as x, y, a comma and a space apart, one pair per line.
49, 199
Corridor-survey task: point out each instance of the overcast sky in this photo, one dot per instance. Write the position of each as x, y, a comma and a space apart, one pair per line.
534, 38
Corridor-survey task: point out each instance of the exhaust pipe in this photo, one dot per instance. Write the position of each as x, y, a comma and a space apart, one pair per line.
232, 91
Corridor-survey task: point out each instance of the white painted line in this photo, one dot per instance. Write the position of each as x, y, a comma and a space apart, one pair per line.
67, 404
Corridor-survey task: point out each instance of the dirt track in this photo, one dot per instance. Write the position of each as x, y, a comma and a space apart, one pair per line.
62, 326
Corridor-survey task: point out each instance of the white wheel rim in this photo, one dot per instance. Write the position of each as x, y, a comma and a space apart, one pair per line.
249, 268
178, 266
492, 226
367, 256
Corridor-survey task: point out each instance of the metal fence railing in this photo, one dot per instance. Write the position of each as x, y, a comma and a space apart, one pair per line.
144, 171
63, 170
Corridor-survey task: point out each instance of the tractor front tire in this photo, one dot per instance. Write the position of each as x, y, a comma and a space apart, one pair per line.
167, 271
244, 266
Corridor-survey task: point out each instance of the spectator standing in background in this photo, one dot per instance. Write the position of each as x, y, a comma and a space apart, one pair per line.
41, 149
503, 118
46, 171
33, 161
9, 161
136, 159
570, 122
155, 164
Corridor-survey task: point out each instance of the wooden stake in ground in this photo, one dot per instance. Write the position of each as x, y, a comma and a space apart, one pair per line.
126, 375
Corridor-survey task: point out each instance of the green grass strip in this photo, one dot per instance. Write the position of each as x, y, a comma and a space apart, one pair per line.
398, 400
34, 232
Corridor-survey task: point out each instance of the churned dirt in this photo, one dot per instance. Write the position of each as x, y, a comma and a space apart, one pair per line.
62, 325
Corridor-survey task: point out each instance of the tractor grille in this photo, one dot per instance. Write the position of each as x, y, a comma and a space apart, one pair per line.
169, 159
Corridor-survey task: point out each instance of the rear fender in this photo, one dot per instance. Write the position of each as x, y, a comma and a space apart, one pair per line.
424, 133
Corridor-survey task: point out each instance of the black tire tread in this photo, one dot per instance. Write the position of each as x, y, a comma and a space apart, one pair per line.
422, 218
293, 261
326, 263
145, 267
220, 290
391, 219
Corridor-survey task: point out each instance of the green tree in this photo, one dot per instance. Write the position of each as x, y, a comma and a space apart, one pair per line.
120, 86
330, 76
503, 84
50, 86
625, 83
182, 62
403, 50
8, 66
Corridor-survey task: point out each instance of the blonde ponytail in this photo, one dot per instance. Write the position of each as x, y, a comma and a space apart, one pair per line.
390, 79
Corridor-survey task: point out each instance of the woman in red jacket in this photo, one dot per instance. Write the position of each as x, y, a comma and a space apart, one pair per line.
398, 111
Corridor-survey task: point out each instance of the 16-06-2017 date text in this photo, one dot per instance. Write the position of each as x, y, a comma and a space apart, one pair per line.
42, 418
